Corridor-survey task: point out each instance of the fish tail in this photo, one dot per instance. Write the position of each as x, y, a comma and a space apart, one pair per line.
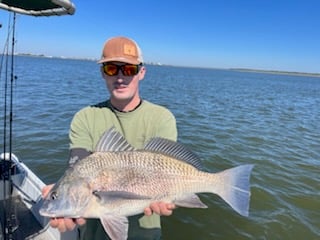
235, 188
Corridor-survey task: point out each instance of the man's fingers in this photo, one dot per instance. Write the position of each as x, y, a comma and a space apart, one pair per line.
147, 211
80, 221
155, 207
160, 208
165, 208
69, 224
58, 223
64, 224
54, 222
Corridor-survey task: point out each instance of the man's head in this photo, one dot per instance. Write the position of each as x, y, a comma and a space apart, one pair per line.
122, 68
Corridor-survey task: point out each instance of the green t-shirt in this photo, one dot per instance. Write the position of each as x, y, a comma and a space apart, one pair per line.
138, 126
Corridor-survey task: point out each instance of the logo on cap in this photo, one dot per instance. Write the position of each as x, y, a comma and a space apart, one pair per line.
129, 50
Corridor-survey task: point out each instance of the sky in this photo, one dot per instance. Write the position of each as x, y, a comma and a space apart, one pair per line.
281, 35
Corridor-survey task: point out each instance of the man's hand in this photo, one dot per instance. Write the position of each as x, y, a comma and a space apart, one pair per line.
160, 208
63, 224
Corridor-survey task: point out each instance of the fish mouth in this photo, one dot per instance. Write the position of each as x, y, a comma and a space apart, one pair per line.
49, 210
46, 213
49, 214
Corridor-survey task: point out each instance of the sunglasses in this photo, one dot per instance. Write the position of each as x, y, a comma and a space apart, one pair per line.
127, 70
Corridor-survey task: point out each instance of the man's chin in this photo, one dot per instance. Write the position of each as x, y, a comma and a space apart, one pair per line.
120, 95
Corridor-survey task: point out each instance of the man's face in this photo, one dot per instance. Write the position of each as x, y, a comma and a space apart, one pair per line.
123, 87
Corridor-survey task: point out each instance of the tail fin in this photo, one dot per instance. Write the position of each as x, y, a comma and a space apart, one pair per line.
235, 189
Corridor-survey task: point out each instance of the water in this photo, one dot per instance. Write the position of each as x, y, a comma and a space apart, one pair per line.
228, 118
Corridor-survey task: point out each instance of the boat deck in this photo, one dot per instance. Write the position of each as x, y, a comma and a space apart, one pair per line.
23, 224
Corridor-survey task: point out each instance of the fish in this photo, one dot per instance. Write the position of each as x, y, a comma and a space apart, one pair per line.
117, 181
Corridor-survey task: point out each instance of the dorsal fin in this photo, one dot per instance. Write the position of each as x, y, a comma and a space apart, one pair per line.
113, 141
173, 149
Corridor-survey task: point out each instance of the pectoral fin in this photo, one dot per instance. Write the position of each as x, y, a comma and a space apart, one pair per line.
108, 196
190, 201
115, 226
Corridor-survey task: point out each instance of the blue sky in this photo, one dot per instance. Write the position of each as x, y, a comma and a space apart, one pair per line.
267, 34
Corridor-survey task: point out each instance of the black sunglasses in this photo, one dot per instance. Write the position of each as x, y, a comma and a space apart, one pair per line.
112, 69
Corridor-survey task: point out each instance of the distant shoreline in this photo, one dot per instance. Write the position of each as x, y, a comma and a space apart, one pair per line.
232, 69
275, 72
45, 56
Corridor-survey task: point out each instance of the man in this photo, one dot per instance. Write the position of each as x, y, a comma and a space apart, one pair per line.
136, 119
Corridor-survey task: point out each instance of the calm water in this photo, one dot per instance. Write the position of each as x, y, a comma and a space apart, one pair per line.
228, 118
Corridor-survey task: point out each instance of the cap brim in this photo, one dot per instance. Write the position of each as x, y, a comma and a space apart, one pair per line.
119, 59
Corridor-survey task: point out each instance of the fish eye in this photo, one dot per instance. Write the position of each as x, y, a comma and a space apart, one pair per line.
95, 193
54, 196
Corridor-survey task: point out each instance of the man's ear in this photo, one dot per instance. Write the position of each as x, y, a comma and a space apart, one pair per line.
142, 72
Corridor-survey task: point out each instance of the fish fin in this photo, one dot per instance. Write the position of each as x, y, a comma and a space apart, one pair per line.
190, 201
236, 188
115, 226
113, 141
173, 149
108, 196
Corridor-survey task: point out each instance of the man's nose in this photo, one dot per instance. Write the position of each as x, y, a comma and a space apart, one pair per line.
120, 77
